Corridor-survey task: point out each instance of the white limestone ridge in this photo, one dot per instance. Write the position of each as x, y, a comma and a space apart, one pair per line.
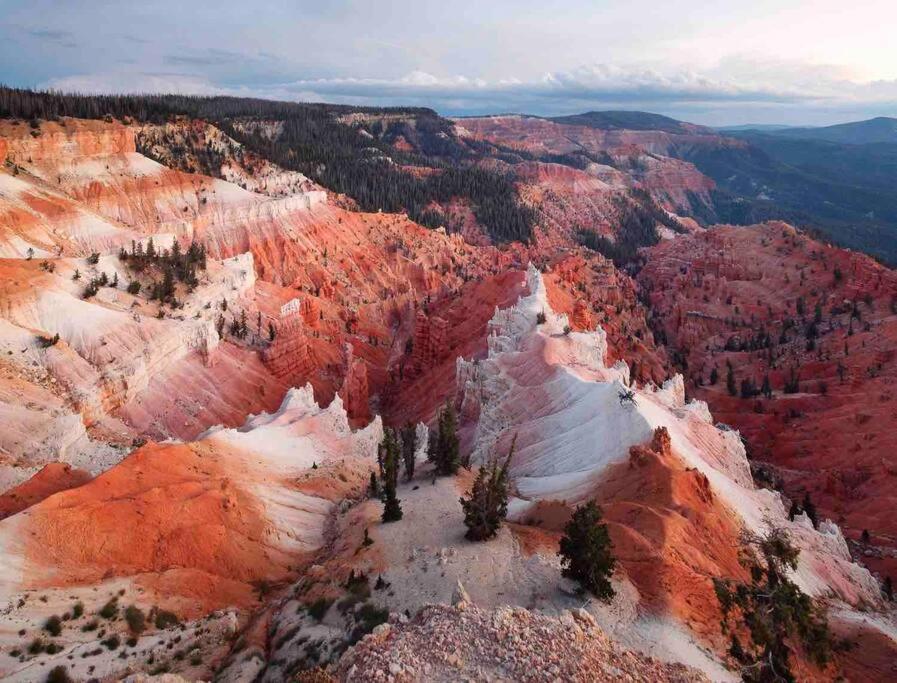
552, 389
302, 433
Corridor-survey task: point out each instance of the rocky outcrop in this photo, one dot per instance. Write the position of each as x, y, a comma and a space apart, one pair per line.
444, 643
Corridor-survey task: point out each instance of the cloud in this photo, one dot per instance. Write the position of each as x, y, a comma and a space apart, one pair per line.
54, 36
604, 81
745, 82
135, 82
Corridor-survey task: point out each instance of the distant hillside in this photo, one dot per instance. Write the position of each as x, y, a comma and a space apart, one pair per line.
878, 130
629, 120
761, 127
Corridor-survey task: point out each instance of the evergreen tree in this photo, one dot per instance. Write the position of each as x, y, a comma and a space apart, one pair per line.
374, 486
772, 611
272, 332
487, 504
810, 510
446, 455
766, 389
586, 551
792, 384
730, 380
409, 446
714, 376
889, 588
392, 510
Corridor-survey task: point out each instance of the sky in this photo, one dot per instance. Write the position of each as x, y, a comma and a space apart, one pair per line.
715, 63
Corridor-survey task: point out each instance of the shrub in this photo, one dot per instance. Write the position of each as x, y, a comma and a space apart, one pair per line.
53, 625
112, 642
136, 619
36, 646
318, 609
59, 674
110, 609
164, 619
77, 610
90, 625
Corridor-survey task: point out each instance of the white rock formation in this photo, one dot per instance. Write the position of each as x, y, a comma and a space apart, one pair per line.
556, 394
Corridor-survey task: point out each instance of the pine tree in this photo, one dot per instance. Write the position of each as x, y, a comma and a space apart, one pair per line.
794, 510
409, 446
889, 588
446, 453
586, 551
730, 380
771, 611
766, 389
374, 486
810, 510
487, 505
714, 376
392, 510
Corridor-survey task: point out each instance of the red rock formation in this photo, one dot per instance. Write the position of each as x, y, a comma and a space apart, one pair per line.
832, 437
429, 342
354, 391
52, 478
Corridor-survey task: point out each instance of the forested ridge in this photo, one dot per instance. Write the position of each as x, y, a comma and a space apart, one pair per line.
352, 156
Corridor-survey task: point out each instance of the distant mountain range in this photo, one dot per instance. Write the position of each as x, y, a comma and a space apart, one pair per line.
766, 127
872, 131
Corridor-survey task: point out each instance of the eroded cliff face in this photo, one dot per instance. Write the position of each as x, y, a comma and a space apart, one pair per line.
775, 304
624, 159
125, 366
248, 505
676, 489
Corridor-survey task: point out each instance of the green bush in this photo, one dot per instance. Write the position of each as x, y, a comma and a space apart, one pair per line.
164, 619
112, 642
110, 609
318, 609
59, 674
136, 619
53, 625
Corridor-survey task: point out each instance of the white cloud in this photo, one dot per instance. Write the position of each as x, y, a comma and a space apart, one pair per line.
127, 82
746, 84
